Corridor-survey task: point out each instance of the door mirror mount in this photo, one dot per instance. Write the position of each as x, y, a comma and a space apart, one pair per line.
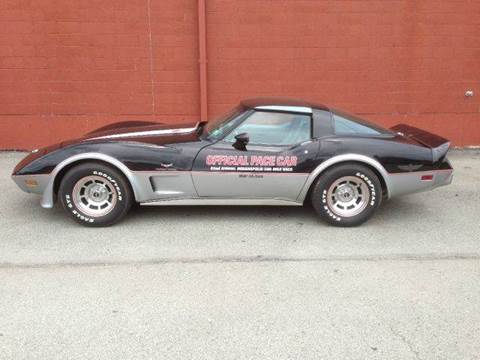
241, 141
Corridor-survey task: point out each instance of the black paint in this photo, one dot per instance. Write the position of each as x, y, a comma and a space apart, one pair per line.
186, 152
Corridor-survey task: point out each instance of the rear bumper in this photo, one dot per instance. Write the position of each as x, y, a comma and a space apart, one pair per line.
409, 183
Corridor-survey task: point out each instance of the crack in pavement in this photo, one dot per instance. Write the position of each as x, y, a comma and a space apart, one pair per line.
406, 342
239, 259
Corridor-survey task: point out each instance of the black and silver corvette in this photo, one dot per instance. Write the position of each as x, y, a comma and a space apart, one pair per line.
263, 152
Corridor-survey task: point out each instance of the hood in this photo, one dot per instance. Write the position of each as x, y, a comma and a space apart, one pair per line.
131, 131
123, 125
141, 131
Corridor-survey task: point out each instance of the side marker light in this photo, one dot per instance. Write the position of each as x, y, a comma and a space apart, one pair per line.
427, 177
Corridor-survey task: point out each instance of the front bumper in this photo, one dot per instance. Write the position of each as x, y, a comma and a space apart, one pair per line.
37, 184
34, 184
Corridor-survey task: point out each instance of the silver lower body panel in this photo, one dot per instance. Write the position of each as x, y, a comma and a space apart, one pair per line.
178, 188
34, 184
409, 183
249, 185
222, 201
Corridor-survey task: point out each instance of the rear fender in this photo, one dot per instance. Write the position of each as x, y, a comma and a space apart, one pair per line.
341, 159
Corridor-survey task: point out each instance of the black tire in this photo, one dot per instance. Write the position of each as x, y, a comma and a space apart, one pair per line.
361, 200
103, 183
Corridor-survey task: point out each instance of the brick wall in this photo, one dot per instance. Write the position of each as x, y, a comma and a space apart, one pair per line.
69, 67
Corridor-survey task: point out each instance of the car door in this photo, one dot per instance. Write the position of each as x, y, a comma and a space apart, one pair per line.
274, 164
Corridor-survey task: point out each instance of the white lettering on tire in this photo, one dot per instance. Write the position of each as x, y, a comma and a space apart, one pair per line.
114, 183
81, 216
75, 212
372, 196
327, 209
370, 185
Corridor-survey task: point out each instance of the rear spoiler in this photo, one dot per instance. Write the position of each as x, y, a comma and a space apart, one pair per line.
438, 144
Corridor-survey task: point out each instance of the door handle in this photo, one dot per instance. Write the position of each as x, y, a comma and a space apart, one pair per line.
169, 165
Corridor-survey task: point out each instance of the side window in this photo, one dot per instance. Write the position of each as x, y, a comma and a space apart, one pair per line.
271, 128
344, 126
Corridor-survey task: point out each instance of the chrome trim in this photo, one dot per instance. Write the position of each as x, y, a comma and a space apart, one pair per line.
297, 109
339, 159
146, 133
223, 201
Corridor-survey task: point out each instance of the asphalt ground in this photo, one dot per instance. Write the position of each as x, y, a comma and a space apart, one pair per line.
244, 282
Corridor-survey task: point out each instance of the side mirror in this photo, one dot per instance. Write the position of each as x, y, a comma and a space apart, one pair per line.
242, 141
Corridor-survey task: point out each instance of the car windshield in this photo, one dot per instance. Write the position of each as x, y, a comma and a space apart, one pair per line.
217, 128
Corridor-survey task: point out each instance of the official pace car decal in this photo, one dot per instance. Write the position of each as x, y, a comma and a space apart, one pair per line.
251, 163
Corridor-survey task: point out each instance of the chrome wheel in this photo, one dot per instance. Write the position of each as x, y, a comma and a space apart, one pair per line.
348, 196
94, 195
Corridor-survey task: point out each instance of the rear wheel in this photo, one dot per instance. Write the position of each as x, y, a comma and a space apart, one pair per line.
347, 195
94, 194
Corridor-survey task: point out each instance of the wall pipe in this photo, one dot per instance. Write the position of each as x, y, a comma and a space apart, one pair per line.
202, 47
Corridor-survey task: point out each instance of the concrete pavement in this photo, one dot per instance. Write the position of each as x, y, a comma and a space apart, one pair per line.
229, 283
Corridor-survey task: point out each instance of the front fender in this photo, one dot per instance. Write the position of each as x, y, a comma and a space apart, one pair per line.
48, 197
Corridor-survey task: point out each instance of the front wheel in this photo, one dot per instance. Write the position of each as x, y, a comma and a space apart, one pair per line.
347, 195
94, 194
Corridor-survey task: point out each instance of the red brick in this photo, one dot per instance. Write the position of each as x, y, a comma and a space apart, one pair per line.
79, 65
